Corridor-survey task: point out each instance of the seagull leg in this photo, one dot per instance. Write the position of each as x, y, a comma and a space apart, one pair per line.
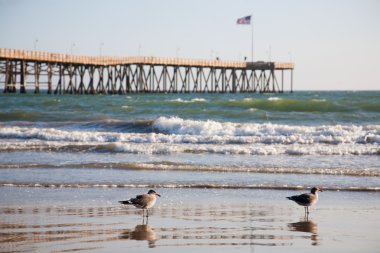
306, 212
146, 216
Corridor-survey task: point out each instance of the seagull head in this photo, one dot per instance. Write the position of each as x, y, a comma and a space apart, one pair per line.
154, 193
316, 189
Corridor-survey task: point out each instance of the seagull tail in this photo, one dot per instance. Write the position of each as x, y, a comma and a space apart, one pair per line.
125, 202
289, 198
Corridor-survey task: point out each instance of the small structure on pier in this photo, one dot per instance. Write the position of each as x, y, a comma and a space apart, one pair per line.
63, 73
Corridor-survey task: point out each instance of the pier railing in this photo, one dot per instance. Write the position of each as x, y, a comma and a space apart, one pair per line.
114, 60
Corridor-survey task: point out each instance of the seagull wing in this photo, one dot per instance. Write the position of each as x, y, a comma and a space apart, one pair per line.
133, 201
140, 200
304, 199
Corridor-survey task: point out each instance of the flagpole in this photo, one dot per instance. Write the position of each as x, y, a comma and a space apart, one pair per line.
252, 38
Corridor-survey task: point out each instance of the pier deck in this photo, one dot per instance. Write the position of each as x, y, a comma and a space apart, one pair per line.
65, 73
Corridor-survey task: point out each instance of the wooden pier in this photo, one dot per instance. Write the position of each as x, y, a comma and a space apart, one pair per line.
71, 74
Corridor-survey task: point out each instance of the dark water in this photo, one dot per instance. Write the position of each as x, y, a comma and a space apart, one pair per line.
299, 108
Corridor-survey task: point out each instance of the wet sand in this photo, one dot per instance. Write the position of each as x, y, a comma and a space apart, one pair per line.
90, 220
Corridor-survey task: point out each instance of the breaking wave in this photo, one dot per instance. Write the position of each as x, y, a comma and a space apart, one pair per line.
271, 133
195, 136
161, 148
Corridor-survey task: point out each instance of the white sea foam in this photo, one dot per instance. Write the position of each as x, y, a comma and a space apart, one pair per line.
180, 100
164, 149
274, 99
176, 100
269, 133
319, 100
199, 100
193, 136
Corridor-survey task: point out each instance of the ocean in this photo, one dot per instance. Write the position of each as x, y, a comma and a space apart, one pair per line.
223, 164
280, 141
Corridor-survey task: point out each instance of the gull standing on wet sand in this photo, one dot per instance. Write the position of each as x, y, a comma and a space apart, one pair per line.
144, 201
306, 199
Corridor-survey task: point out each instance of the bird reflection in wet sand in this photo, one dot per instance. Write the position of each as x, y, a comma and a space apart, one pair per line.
307, 226
142, 232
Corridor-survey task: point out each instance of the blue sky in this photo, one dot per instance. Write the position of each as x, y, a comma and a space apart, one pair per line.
335, 44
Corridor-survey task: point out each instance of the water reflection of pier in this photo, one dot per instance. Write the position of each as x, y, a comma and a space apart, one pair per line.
72, 74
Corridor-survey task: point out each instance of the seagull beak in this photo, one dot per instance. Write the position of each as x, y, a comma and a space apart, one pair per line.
319, 189
158, 195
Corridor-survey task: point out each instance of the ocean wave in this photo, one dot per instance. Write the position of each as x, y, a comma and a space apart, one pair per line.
282, 104
162, 148
193, 100
307, 107
274, 99
319, 100
271, 133
172, 166
190, 186
194, 136
127, 107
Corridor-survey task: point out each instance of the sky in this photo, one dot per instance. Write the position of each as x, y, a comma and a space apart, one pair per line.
335, 44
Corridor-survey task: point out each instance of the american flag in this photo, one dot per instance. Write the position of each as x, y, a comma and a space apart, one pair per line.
244, 21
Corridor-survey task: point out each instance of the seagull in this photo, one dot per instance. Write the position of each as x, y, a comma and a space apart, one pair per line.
306, 199
144, 201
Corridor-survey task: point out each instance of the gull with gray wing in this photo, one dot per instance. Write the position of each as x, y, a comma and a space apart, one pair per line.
306, 199
144, 201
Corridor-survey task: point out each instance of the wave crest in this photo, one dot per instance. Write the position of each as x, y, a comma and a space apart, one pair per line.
196, 136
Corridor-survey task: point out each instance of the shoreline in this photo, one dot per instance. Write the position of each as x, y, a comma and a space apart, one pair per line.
187, 186
70, 220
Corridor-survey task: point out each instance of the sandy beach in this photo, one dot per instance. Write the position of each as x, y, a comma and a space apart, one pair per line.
202, 220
